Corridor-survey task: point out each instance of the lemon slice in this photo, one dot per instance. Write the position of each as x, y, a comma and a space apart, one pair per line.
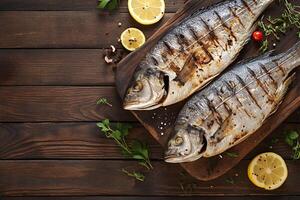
146, 11
132, 38
268, 171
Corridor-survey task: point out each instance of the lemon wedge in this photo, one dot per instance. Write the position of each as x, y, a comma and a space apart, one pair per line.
146, 12
132, 38
268, 171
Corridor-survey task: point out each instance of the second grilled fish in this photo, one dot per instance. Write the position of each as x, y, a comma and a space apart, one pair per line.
233, 107
192, 54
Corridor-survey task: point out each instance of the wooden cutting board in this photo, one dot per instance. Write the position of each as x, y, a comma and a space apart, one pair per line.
160, 122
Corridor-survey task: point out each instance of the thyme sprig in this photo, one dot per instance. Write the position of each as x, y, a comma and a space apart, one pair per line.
277, 26
137, 175
103, 101
136, 150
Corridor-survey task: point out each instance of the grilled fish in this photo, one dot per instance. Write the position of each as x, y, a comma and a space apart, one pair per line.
192, 54
233, 107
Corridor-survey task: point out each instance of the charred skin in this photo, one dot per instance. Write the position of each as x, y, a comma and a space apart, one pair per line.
197, 50
234, 106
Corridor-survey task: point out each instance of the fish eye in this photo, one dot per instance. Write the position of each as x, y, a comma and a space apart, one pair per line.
178, 140
138, 86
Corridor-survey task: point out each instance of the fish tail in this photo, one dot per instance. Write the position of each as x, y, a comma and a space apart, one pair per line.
291, 58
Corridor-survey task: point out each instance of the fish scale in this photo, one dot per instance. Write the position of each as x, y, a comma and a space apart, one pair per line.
235, 105
193, 53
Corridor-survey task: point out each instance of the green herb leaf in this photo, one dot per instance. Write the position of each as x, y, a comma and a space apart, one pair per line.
136, 150
137, 175
275, 27
293, 135
108, 4
274, 140
232, 154
103, 3
229, 180
103, 101
292, 139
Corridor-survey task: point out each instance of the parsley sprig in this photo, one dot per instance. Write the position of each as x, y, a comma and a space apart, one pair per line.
292, 139
108, 4
135, 149
280, 25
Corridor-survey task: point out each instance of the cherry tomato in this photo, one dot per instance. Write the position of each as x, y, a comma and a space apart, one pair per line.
258, 36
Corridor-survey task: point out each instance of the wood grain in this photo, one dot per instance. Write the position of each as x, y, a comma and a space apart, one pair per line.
42, 103
65, 141
71, 5
55, 67
61, 104
65, 29
85, 141
86, 177
187, 197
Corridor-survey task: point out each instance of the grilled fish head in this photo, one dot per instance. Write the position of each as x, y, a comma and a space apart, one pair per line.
188, 144
147, 91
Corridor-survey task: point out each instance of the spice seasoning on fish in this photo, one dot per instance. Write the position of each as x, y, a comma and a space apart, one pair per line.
193, 53
233, 107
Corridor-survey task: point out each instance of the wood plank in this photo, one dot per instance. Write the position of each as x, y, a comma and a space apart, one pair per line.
65, 141
65, 29
86, 177
85, 141
156, 198
54, 67
61, 104
72, 5
42, 103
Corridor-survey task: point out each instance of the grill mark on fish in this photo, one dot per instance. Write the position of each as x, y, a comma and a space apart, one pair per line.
197, 41
244, 85
212, 108
174, 68
227, 108
211, 33
186, 72
169, 49
237, 98
164, 57
261, 85
182, 40
236, 16
246, 5
231, 33
193, 32
155, 62
255, 2
268, 74
278, 65
208, 56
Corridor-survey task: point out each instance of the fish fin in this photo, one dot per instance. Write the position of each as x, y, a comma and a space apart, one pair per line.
187, 70
291, 59
283, 88
254, 58
281, 91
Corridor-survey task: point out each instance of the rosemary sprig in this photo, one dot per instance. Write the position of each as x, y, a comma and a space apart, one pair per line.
137, 175
277, 26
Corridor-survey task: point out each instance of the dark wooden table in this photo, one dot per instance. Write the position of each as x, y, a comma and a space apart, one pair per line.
52, 73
